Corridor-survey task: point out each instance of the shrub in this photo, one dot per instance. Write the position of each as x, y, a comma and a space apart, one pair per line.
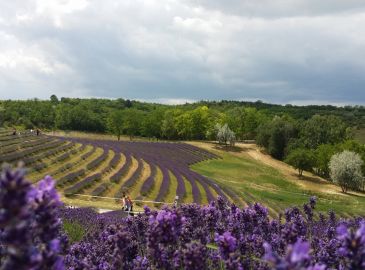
345, 170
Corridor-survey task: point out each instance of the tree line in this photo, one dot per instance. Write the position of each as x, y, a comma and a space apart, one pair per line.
178, 122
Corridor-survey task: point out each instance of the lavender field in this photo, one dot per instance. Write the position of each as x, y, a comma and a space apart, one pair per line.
101, 170
38, 232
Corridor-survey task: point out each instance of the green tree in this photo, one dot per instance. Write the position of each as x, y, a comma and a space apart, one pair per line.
152, 123
132, 122
115, 123
275, 136
323, 155
54, 99
323, 130
301, 159
168, 128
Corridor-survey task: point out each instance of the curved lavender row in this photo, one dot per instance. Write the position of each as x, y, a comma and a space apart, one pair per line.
233, 195
65, 155
88, 181
215, 186
194, 188
122, 171
69, 165
113, 163
199, 153
218, 189
9, 136
193, 150
115, 160
180, 190
71, 177
222, 190
15, 144
98, 160
195, 176
40, 140
134, 177
88, 154
164, 185
65, 167
148, 183
31, 159
39, 166
99, 190
21, 154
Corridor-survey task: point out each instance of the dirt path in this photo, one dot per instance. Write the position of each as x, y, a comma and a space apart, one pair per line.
309, 181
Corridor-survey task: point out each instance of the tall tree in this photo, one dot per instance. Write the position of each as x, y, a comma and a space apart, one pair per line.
115, 123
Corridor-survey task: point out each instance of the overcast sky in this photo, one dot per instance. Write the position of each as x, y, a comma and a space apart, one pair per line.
172, 51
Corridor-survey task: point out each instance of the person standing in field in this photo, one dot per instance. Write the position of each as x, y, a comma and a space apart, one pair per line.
127, 203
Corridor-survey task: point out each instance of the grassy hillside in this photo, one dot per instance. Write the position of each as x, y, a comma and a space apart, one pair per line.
259, 178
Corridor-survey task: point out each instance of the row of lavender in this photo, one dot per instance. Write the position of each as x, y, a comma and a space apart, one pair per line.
218, 236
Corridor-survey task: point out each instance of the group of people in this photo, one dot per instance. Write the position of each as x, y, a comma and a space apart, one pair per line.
36, 131
127, 204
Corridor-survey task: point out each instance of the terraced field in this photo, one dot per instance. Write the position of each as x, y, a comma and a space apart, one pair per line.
98, 171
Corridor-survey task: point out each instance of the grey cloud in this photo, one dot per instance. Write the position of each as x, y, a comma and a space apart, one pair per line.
282, 8
171, 50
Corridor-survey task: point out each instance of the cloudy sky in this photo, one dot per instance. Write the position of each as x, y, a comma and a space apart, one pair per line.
172, 51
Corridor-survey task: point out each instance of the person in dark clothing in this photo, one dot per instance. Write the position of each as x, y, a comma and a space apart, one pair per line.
38, 131
127, 204
14, 131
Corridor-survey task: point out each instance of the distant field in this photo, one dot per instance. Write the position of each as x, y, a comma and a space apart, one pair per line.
252, 175
360, 135
96, 136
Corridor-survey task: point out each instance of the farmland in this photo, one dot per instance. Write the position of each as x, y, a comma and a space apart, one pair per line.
97, 172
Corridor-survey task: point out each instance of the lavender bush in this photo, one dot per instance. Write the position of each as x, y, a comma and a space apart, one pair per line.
216, 236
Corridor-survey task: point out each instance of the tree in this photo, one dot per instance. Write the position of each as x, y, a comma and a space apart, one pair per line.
168, 128
301, 159
54, 99
115, 123
322, 130
152, 123
132, 122
323, 155
275, 136
345, 170
225, 134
